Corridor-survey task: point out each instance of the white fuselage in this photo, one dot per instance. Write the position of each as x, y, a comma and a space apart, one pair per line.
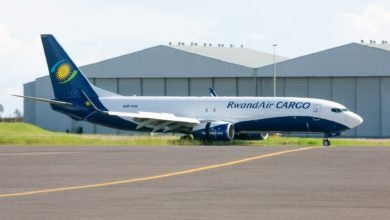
235, 109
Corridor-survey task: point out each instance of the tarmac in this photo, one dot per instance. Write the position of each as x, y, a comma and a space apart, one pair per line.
194, 182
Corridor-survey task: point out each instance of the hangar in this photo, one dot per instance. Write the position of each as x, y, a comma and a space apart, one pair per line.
356, 75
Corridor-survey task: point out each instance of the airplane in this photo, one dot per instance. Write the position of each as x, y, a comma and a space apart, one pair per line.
209, 118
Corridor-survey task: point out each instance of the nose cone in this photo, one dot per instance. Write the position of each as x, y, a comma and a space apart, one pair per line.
354, 120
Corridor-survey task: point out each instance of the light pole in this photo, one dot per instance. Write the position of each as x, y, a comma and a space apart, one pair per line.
274, 45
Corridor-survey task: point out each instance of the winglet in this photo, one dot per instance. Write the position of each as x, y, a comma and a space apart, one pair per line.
212, 92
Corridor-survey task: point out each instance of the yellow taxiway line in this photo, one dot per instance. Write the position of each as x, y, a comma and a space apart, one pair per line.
183, 172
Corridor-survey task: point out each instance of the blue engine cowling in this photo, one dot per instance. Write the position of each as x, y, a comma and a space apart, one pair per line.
214, 131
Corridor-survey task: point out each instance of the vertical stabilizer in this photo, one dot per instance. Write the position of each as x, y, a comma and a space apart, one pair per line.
67, 79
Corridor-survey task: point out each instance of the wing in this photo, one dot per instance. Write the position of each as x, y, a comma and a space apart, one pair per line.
158, 121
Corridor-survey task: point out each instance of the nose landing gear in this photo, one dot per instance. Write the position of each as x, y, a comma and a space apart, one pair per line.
326, 141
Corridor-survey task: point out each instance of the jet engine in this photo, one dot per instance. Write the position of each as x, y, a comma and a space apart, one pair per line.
214, 131
250, 136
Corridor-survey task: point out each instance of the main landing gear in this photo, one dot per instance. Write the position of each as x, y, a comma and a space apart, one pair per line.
326, 141
186, 138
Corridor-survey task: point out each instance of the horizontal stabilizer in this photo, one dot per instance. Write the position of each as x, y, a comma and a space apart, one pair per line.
51, 101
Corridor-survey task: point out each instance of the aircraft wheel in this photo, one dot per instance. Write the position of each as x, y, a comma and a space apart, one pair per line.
326, 142
186, 138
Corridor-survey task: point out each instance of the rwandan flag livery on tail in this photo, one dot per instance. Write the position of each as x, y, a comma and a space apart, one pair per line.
66, 77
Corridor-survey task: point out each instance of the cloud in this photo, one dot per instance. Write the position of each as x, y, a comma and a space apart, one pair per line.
124, 26
369, 23
254, 40
89, 32
19, 63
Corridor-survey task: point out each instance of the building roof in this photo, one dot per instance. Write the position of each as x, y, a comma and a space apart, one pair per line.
182, 61
348, 60
382, 46
237, 55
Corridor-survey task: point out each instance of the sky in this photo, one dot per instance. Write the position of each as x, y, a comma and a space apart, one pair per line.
94, 30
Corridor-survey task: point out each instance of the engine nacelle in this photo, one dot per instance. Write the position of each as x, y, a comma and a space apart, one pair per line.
251, 136
214, 131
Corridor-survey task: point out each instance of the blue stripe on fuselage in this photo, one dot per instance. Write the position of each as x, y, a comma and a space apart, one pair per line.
291, 124
282, 124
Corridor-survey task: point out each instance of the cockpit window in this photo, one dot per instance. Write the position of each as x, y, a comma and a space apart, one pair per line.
339, 110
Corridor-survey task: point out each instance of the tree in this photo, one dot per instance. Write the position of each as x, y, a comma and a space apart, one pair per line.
18, 114
1, 110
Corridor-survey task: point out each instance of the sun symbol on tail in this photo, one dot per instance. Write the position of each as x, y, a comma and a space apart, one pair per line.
65, 73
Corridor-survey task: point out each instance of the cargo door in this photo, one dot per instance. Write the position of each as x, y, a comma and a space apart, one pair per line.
316, 112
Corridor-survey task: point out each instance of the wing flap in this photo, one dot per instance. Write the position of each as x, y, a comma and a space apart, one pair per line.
156, 116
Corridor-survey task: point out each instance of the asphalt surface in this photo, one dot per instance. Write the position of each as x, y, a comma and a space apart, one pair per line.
320, 183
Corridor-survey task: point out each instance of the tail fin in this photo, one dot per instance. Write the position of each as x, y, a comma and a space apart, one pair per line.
66, 77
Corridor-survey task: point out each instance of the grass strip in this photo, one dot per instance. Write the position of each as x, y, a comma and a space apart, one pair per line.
23, 134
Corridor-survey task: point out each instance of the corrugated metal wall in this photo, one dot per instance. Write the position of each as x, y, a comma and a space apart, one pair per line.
45, 117
368, 96
29, 105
